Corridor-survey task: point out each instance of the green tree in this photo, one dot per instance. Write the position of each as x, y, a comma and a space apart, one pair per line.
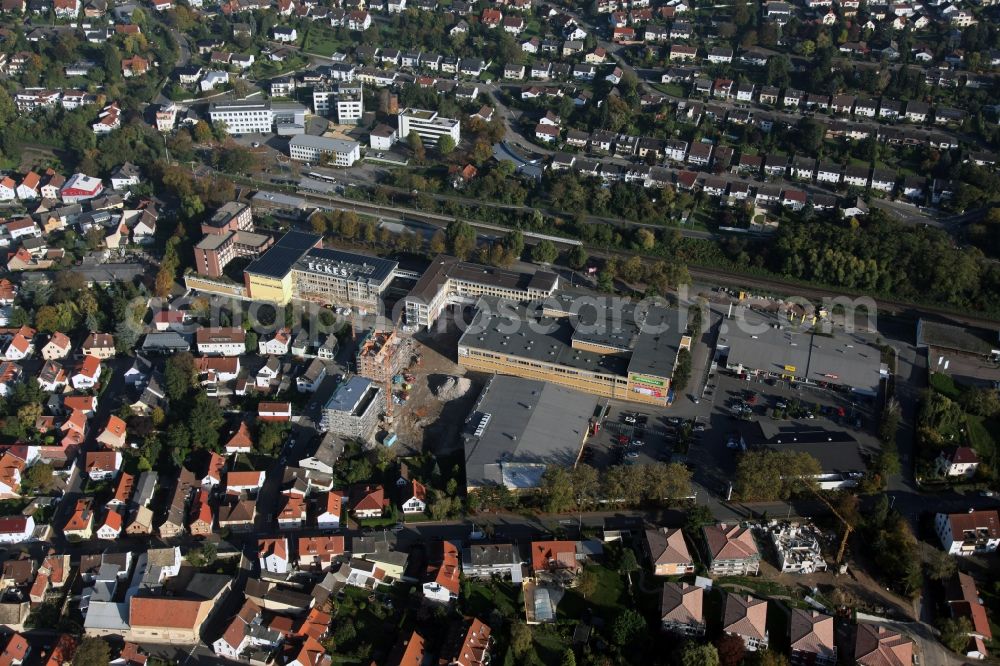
417, 146
627, 626
645, 240
270, 436
940, 565
568, 658
446, 145
587, 582
461, 238
682, 372
37, 479
92, 652
179, 375
203, 555
557, 489
521, 640
955, 633
773, 475
205, 420
627, 563
544, 252
438, 243
696, 654
202, 132
578, 257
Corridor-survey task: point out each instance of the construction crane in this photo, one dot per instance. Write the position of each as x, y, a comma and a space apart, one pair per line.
848, 527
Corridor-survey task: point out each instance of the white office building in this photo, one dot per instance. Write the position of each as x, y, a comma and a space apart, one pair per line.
308, 148
344, 102
258, 116
428, 125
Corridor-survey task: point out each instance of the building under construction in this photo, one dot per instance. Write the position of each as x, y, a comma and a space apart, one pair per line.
382, 355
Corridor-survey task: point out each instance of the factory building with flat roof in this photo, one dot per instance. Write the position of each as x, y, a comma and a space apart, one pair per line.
628, 354
450, 281
769, 345
298, 267
520, 426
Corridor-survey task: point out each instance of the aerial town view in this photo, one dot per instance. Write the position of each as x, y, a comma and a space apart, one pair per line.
499, 332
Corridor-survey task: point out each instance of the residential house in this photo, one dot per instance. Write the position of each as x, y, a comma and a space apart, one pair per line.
682, 609
57, 347
331, 509
812, 639
319, 553
443, 573
111, 526
244, 481
201, 514
368, 501
968, 533
960, 461
273, 554
731, 550
413, 497
964, 601
102, 465
746, 618
114, 433
99, 345
488, 560
876, 645
668, 552
87, 375
81, 522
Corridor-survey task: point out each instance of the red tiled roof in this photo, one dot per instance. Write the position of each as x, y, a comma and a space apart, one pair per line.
166, 612
974, 520
547, 555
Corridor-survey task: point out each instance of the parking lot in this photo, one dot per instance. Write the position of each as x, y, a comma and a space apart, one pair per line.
714, 463
635, 434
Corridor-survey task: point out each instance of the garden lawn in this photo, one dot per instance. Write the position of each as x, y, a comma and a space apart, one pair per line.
484, 598
609, 596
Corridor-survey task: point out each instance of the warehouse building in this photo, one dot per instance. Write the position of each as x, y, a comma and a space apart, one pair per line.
628, 354
298, 267
428, 125
767, 345
309, 148
449, 281
354, 408
518, 427
962, 339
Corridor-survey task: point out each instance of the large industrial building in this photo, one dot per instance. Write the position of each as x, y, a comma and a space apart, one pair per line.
259, 116
429, 126
518, 427
768, 345
628, 355
298, 267
449, 281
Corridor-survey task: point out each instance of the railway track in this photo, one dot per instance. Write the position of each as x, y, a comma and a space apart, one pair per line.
703, 274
